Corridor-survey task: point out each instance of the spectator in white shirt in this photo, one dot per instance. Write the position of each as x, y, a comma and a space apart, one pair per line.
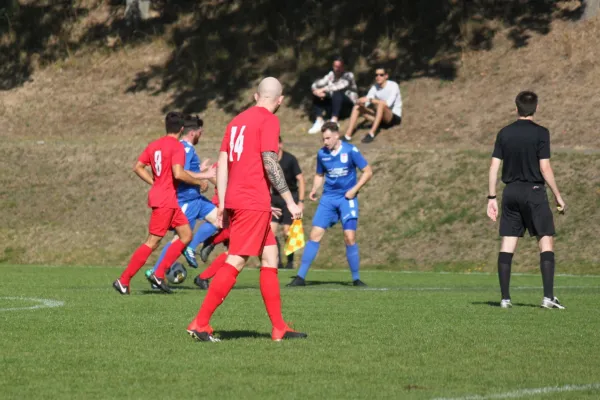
382, 106
335, 94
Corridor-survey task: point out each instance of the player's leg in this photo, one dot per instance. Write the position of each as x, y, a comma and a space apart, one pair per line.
308, 256
547, 267
184, 234
137, 261
274, 226
208, 212
512, 227
244, 242
271, 293
348, 209
202, 280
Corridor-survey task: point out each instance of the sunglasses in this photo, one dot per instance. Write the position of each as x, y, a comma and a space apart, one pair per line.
379, 74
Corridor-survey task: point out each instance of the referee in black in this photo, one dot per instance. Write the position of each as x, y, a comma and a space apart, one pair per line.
295, 181
523, 148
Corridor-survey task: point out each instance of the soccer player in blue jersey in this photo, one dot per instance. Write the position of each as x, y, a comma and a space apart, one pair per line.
337, 162
193, 204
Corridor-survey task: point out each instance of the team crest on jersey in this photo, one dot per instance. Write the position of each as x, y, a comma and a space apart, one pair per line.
344, 157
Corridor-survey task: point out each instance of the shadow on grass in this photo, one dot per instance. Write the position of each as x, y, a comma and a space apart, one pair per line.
241, 334
497, 304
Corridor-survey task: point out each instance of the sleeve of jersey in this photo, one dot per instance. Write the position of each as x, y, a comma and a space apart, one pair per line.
544, 145
320, 168
269, 135
144, 158
358, 159
178, 157
498, 148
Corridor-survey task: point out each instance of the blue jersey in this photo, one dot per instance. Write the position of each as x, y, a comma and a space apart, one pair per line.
339, 168
187, 192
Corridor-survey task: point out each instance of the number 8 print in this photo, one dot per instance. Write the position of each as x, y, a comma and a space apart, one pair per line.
236, 146
158, 162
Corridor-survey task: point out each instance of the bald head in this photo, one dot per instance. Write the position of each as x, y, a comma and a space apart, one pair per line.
268, 94
269, 88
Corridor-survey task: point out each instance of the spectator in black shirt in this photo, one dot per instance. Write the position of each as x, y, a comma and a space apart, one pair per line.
295, 181
523, 148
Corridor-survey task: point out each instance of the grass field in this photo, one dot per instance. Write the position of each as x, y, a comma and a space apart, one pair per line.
409, 335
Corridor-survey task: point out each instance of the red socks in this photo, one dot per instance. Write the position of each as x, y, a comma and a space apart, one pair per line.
219, 288
137, 261
269, 288
216, 265
171, 256
222, 236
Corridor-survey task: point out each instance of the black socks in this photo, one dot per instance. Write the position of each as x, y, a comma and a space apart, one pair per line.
547, 269
504, 264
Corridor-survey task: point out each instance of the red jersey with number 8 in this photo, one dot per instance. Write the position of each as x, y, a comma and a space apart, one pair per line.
161, 155
248, 135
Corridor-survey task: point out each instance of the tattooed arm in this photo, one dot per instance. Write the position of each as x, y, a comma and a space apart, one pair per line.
275, 174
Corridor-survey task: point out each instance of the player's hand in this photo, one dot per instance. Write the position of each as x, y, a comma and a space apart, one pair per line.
295, 210
350, 194
492, 209
561, 206
362, 101
313, 195
203, 186
276, 212
205, 165
210, 173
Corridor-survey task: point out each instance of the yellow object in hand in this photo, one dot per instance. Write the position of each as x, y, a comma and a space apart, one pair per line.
295, 240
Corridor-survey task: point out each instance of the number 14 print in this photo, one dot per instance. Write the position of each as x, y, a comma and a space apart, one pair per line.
236, 145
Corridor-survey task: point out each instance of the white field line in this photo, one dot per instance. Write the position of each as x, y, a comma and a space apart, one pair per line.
345, 271
42, 303
516, 394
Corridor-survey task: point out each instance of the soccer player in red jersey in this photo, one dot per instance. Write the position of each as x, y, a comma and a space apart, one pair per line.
248, 166
166, 157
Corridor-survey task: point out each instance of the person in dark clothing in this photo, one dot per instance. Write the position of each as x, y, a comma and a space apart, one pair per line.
523, 149
295, 181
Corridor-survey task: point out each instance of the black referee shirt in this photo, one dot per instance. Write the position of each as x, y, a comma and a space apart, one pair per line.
521, 145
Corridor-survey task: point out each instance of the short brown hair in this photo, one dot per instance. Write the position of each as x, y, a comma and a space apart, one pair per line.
330, 126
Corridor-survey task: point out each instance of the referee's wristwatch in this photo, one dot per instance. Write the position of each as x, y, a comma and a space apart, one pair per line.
491, 197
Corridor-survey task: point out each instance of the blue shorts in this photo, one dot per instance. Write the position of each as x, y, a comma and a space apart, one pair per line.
332, 209
197, 209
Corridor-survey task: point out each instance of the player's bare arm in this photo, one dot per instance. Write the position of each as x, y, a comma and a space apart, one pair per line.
208, 174
317, 183
367, 174
277, 178
222, 178
492, 207
182, 175
140, 170
548, 174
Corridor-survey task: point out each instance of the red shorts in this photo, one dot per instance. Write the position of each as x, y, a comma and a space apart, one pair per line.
164, 218
249, 232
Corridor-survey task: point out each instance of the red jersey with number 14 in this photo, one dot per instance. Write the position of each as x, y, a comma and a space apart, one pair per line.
248, 135
161, 155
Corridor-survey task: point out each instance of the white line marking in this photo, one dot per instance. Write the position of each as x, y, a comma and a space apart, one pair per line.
42, 303
527, 392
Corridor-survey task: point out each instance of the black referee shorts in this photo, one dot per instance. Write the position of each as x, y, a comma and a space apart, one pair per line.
286, 217
525, 206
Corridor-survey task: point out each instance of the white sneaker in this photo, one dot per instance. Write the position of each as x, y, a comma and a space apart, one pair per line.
552, 303
505, 303
316, 128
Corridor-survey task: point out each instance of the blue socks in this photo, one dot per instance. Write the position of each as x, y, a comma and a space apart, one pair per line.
205, 231
160, 258
353, 260
310, 252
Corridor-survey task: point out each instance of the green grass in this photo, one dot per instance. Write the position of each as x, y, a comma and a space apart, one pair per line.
427, 335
